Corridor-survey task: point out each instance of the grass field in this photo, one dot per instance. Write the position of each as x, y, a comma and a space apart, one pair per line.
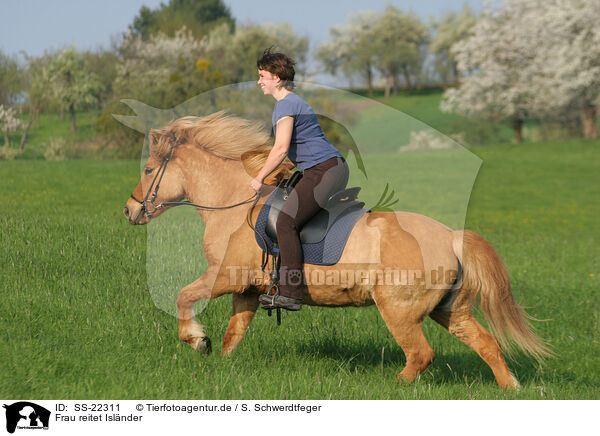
78, 319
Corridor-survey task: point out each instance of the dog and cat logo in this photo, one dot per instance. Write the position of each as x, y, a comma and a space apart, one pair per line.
26, 415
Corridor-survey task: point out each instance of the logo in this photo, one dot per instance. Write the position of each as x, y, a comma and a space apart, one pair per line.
26, 415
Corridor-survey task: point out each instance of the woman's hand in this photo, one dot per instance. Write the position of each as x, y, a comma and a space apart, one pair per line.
256, 184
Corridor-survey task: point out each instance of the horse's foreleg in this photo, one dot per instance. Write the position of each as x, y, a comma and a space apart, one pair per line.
205, 288
244, 308
404, 317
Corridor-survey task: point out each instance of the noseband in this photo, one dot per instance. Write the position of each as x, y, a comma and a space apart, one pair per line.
153, 192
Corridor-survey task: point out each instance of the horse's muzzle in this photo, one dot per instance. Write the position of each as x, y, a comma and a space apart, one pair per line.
134, 213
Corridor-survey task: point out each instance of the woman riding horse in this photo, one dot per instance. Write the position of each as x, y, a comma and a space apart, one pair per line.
298, 136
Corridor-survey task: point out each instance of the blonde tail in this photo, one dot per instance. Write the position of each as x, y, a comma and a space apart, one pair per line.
484, 273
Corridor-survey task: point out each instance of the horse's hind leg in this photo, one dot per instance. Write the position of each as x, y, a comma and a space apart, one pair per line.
404, 320
466, 328
244, 308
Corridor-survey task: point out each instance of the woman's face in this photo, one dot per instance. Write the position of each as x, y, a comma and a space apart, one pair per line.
268, 82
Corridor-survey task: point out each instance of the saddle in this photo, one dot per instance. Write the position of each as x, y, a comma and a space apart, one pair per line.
315, 230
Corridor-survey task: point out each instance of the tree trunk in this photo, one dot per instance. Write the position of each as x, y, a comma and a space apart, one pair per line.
387, 87
370, 80
26, 130
454, 71
62, 113
406, 74
588, 121
72, 114
396, 85
517, 126
6, 141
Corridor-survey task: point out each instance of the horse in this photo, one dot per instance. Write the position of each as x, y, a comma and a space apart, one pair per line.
209, 159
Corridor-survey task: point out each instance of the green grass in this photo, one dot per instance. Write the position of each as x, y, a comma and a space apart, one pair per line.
79, 320
424, 106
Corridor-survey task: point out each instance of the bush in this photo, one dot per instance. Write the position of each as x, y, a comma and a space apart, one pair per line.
552, 131
429, 140
8, 153
59, 149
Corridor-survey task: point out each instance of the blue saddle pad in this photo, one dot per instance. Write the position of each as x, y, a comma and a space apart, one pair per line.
326, 252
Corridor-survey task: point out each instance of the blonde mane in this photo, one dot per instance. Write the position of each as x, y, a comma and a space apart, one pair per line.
223, 135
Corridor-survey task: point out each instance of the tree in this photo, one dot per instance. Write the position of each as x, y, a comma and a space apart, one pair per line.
498, 63
451, 28
161, 70
400, 40
199, 16
38, 90
352, 48
10, 79
104, 65
390, 42
531, 59
74, 85
8, 123
570, 60
234, 54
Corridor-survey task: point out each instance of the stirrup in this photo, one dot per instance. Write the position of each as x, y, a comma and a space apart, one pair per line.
273, 286
277, 301
269, 308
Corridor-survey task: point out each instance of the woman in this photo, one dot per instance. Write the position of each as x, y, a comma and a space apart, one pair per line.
298, 136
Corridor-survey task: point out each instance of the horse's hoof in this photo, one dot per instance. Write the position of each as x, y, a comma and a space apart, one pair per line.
203, 345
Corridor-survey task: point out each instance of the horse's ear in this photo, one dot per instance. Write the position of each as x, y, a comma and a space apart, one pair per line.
153, 137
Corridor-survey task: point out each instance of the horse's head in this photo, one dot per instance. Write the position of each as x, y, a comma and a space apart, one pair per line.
161, 180
218, 154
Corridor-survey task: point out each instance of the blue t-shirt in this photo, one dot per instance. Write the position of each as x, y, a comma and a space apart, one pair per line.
308, 146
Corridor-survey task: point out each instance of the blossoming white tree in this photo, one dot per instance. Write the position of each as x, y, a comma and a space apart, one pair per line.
530, 59
570, 59
158, 69
8, 122
497, 62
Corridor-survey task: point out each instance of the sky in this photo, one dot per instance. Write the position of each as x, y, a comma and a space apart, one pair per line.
38, 25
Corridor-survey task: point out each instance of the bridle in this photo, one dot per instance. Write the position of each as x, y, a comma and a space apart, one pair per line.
150, 197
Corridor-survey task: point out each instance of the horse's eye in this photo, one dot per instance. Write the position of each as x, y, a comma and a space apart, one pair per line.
148, 171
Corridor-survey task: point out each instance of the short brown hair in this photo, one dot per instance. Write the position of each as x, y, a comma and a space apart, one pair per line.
279, 65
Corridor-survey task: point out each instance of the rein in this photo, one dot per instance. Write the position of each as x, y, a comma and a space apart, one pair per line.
151, 194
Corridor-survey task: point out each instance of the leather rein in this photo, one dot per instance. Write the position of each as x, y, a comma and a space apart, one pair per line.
152, 193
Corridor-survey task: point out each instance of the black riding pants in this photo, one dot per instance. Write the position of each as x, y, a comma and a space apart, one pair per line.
306, 199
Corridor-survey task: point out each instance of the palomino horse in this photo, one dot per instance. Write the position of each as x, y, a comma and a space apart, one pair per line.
211, 160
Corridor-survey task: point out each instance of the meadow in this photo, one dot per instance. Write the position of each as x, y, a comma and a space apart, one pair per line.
79, 318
